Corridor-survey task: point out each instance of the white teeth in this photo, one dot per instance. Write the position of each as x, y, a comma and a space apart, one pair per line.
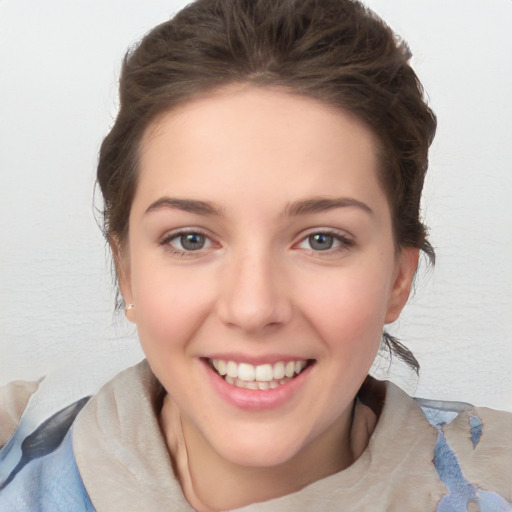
222, 368
264, 373
232, 369
246, 372
263, 376
239, 383
299, 366
278, 371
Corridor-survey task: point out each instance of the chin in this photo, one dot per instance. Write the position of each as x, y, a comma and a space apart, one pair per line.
261, 447
255, 457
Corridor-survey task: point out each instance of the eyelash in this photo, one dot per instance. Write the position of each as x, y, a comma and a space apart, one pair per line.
345, 243
169, 237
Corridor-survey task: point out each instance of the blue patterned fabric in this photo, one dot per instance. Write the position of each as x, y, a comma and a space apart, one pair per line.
48, 484
476, 428
460, 492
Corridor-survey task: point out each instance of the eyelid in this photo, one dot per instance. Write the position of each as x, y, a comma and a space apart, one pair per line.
173, 234
336, 233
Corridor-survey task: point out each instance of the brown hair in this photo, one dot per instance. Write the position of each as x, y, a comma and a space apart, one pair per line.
336, 51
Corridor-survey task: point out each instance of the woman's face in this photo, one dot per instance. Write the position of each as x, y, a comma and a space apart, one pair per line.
260, 244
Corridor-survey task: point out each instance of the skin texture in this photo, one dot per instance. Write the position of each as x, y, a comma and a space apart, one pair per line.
257, 290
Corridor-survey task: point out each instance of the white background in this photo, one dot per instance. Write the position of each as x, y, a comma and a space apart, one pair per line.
58, 71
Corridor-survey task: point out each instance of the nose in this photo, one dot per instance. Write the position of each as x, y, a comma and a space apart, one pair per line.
254, 295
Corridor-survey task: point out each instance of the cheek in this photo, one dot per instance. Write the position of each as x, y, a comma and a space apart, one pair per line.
348, 309
171, 303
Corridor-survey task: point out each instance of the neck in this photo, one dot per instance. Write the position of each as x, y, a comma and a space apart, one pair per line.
211, 482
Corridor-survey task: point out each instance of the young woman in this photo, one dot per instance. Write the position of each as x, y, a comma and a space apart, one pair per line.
262, 185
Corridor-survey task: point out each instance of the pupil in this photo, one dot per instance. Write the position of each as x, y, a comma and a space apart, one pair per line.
192, 241
321, 242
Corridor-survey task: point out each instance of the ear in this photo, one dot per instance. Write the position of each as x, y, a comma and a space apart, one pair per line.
406, 266
122, 268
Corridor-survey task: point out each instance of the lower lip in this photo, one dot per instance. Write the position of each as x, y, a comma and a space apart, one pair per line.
256, 399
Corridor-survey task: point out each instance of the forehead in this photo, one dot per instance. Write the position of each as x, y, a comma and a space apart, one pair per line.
258, 139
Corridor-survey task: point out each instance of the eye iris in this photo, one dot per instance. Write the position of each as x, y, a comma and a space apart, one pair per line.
192, 241
321, 241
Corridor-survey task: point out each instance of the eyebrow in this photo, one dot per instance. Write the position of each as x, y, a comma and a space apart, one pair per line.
322, 204
303, 207
186, 205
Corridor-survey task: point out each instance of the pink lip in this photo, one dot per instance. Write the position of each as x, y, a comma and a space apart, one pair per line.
253, 399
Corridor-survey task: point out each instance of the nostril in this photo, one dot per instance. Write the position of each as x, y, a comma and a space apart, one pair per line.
253, 296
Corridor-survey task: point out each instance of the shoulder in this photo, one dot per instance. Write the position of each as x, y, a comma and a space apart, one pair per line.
473, 453
13, 400
34, 459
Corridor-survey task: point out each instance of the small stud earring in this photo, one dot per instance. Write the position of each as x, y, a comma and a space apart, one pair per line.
129, 306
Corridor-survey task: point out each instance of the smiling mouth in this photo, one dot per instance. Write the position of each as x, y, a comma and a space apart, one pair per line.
259, 377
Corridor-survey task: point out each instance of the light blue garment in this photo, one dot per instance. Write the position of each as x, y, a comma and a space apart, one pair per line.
48, 484
460, 492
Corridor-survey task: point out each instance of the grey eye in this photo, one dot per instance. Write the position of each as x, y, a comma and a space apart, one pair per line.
192, 241
321, 241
